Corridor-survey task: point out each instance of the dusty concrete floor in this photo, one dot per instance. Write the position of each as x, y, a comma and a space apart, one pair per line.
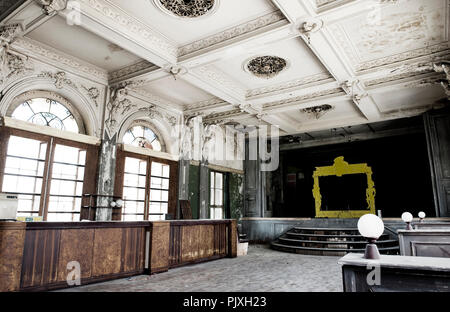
262, 270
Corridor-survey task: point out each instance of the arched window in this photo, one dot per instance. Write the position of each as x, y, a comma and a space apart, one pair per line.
142, 136
47, 112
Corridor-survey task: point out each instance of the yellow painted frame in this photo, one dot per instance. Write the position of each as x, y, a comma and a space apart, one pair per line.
340, 168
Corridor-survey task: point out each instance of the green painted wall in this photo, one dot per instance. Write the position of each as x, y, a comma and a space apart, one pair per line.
194, 185
236, 189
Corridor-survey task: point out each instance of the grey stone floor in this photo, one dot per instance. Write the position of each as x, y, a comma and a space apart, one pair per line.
262, 270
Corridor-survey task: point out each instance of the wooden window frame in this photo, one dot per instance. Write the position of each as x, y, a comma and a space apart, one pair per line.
91, 162
120, 176
223, 193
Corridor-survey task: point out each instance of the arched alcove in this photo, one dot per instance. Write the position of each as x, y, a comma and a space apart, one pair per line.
38, 87
155, 124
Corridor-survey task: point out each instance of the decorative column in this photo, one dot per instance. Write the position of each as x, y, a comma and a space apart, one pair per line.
437, 129
117, 106
253, 188
204, 190
105, 185
183, 183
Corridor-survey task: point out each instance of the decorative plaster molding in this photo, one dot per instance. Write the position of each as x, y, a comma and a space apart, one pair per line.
59, 59
133, 26
315, 95
310, 27
346, 46
59, 79
205, 104
243, 29
93, 93
130, 70
218, 77
444, 67
393, 78
223, 115
13, 66
409, 55
8, 33
317, 111
290, 84
116, 108
52, 7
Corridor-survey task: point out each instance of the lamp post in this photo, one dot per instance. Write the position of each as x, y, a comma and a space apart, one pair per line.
422, 216
407, 218
371, 227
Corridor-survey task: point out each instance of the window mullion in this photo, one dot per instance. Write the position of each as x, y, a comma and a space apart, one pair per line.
147, 189
47, 179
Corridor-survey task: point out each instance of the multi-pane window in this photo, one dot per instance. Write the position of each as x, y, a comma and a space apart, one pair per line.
134, 186
159, 191
216, 196
24, 173
142, 136
66, 187
145, 189
47, 175
46, 112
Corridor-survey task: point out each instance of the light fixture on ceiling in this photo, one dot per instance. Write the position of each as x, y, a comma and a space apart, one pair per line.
187, 8
266, 66
317, 111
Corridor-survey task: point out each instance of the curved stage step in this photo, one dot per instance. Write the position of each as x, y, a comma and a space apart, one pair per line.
330, 242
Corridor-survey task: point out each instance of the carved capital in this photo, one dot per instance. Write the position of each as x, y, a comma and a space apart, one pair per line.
311, 26
8, 33
52, 7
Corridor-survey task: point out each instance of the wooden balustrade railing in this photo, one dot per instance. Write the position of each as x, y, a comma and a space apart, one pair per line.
34, 256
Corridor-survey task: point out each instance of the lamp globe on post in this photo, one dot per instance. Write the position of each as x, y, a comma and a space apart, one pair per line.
407, 218
371, 227
422, 216
119, 203
113, 204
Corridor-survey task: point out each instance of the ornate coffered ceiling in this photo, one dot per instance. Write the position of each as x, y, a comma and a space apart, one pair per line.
369, 60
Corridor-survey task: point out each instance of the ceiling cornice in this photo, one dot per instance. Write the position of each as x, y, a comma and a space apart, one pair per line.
59, 59
272, 19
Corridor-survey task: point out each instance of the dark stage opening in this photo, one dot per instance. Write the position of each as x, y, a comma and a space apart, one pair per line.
401, 173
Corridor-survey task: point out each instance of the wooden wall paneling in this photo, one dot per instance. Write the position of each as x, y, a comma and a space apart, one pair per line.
232, 239
206, 238
133, 248
190, 243
175, 245
40, 258
159, 247
76, 245
12, 238
107, 251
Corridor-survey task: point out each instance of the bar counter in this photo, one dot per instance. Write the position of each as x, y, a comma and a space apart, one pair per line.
38, 256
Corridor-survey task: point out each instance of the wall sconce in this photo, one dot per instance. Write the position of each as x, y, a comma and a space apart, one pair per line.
118, 203
407, 218
422, 216
371, 227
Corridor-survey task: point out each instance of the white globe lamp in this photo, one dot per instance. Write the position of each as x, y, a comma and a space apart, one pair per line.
371, 227
407, 218
113, 204
119, 203
422, 216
